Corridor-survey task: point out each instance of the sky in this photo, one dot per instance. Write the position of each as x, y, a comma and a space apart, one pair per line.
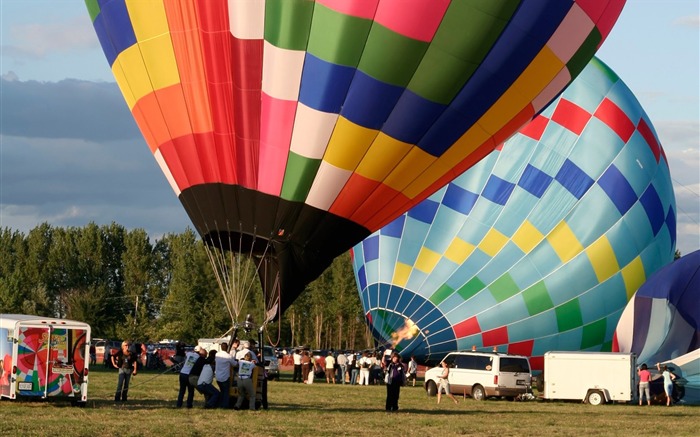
71, 154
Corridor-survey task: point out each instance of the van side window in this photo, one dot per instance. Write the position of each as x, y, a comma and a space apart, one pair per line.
482, 363
461, 362
514, 365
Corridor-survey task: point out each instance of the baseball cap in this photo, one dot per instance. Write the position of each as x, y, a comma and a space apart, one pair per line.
198, 348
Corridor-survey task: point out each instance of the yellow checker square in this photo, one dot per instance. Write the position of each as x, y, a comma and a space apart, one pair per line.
459, 251
413, 164
527, 237
147, 18
401, 273
427, 260
383, 155
564, 242
348, 144
159, 57
602, 257
493, 242
634, 276
534, 79
130, 73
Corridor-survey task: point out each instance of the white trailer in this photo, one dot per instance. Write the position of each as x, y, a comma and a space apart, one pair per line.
44, 357
591, 377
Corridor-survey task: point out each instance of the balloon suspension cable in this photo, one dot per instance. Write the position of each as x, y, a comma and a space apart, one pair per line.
274, 304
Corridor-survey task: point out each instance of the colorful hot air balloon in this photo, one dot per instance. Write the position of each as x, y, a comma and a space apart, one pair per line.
662, 320
291, 129
536, 248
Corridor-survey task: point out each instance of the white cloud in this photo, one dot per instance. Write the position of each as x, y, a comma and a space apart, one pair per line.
692, 21
37, 40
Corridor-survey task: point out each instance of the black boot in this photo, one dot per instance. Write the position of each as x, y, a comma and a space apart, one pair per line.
124, 395
116, 397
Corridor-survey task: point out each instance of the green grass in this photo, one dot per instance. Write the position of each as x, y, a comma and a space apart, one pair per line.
321, 409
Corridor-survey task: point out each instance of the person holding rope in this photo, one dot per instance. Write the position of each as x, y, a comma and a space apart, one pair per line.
189, 360
126, 362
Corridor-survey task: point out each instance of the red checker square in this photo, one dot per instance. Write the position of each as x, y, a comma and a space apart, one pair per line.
521, 348
535, 128
537, 363
610, 114
495, 336
571, 116
649, 137
467, 327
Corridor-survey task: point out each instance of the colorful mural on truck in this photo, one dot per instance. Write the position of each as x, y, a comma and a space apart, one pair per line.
536, 248
292, 129
47, 364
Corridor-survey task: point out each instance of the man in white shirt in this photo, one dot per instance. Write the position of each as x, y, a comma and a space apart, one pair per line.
296, 357
224, 363
190, 359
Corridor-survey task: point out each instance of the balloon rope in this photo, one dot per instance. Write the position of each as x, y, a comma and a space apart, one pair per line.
219, 271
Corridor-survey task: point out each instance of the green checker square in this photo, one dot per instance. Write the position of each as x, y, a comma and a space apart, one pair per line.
584, 54
471, 288
298, 177
287, 23
504, 288
569, 316
537, 299
441, 294
594, 334
337, 38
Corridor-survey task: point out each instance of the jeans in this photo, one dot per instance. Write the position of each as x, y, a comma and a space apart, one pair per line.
225, 387
245, 387
185, 386
123, 384
353, 375
211, 395
341, 373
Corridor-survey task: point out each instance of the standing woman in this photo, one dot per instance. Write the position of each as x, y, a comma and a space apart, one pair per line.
644, 380
125, 362
395, 378
668, 382
444, 383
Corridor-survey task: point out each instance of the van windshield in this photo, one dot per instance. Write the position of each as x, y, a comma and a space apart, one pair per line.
514, 365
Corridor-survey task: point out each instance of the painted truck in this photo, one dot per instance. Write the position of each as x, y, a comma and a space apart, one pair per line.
44, 357
591, 377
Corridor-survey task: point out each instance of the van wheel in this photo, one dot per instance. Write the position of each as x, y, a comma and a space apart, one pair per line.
431, 388
595, 397
478, 393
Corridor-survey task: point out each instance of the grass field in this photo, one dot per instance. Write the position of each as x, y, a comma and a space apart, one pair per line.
324, 410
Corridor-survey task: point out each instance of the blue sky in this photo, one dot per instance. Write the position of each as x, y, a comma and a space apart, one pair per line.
71, 154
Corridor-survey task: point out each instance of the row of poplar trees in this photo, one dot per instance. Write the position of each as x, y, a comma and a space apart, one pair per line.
127, 286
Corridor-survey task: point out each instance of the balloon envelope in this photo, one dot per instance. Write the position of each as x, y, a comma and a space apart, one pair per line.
291, 129
540, 245
662, 320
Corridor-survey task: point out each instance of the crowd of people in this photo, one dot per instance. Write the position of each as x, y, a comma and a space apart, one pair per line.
349, 367
198, 369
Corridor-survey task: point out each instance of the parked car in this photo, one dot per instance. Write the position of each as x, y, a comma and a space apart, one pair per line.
104, 349
483, 374
271, 363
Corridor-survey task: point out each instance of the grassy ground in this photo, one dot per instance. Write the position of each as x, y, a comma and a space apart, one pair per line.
321, 409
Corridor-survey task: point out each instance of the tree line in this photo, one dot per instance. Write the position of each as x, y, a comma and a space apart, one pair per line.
127, 286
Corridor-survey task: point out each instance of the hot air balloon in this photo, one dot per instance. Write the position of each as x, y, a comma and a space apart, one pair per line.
291, 129
661, 323
662, 320
539, 246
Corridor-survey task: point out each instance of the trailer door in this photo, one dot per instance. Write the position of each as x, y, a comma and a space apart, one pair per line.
32, 361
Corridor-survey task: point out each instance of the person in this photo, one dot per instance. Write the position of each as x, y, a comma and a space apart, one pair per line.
342, 362
365, 363
246, 348
93, 354
305, 366
187, 364
224, 363
354, 368
412, 370
395, 378
198, 366
669, 377
125, 361
330, 368
296, 357
644, 380
245, 382
444, 383
205, 382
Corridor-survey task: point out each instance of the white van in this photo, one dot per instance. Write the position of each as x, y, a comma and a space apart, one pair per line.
482, 375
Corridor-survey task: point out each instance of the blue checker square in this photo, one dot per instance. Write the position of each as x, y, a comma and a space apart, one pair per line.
395, 228
575, 180
498, 190
459, 199
615, 185
535, 181
424, 211
655, 210
370, 247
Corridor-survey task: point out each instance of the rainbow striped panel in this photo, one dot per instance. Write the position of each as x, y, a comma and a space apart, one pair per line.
344, 114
